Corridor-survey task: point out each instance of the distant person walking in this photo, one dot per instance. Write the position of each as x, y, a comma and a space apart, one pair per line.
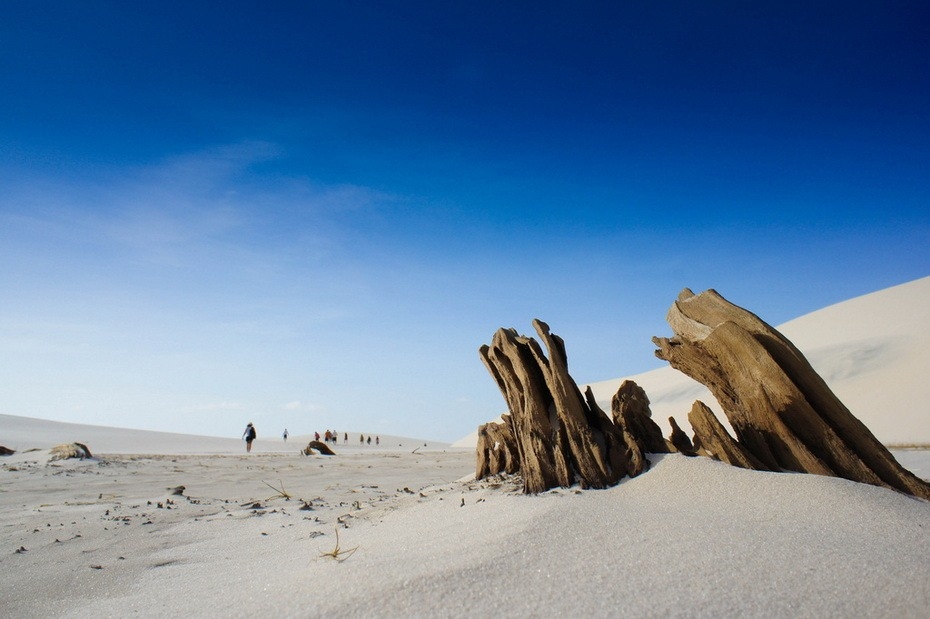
248, 436
345, 438
285, 435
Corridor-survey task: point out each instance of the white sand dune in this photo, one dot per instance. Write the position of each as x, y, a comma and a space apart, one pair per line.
418, 537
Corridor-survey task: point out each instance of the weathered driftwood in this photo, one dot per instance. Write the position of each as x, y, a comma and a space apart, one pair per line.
630, 410
782, 411
561, 438
497, 449
711, 439
318, 446
679, 440
69, 450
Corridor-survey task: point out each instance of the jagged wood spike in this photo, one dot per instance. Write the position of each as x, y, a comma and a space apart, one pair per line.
712, 438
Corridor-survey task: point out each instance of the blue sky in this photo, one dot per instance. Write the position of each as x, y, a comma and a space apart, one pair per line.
312, 214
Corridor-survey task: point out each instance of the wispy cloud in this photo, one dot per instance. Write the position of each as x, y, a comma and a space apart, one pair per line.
170, 211
228, 220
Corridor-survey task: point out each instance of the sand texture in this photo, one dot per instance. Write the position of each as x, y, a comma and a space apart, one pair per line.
111, 537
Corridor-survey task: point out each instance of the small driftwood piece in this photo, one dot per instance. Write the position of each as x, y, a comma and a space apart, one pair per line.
497, 449
318, 446
630, 410
679, 440
712, 439
69, 450
781, 410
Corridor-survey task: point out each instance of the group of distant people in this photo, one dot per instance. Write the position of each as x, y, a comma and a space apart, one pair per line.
329, 436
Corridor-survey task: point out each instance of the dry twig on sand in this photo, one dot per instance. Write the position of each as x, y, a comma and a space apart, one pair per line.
337, 553
282, 493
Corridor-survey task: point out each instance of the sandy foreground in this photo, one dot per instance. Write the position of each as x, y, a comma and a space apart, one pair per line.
417, 537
